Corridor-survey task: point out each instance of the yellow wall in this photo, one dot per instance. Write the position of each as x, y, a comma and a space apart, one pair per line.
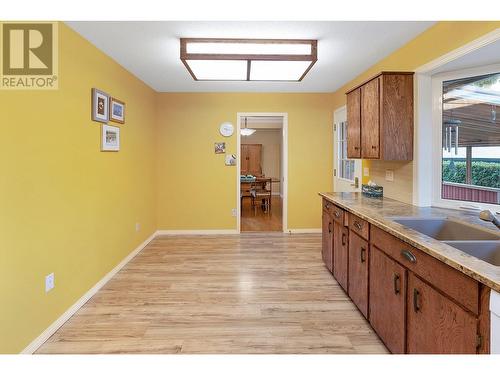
65, 206
434, 42
197, 191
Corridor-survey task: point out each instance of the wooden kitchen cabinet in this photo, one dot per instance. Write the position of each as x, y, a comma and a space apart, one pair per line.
387, 296
327, 240
251, 159
415, 302
340, 254
380, 118
358, 272
437, 325
354, 124
370, 119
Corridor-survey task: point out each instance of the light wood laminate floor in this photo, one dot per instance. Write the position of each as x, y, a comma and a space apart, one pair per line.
256, 220
249, 293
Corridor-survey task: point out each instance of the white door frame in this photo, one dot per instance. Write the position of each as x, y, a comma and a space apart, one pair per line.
284, 166
423, 130
342, 111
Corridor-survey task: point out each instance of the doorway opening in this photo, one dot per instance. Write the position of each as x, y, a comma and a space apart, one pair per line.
262, 167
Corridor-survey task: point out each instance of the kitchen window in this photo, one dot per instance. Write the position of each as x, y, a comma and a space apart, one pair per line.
469, 127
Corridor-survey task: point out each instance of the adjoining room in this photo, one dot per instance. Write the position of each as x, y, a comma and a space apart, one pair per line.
261, 173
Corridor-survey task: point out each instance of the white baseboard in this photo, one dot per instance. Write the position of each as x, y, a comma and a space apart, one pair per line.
301, 231
36, 343
174, 232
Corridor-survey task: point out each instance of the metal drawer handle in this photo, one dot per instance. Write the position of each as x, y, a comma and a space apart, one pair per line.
416, 295
363, 255
374, 147
358, 225
343, 239
409, 256
356, 147
330, 227
397, 286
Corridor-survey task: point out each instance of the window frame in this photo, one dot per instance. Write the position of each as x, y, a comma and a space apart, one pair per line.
339, 152
437, 116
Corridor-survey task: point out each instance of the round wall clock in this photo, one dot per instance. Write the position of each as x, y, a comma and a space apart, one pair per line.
226, 129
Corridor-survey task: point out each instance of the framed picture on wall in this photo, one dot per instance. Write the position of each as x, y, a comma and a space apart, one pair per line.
220, 147
110, 138
117, 110
100, 106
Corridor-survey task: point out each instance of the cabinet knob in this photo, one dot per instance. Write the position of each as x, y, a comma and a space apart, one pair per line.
337, 214
374, 147
409, 256
356, 147
358, 225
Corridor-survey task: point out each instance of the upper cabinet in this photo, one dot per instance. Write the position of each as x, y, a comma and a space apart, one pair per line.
380, 118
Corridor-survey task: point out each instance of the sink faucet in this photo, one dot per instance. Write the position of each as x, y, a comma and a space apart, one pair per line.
486, 215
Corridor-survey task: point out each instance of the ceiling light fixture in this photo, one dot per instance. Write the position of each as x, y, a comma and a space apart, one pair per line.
247, 131
248, 59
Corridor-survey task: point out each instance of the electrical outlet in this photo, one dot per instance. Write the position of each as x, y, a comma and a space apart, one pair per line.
389, 175
49, 282
137, 227
366, 171
233, 212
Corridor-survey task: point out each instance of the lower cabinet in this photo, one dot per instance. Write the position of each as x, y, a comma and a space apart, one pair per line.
387, 300
327, 240
436, 325
415, 303
340, 254
358, 272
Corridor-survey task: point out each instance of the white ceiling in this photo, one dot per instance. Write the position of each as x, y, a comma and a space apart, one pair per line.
150, 50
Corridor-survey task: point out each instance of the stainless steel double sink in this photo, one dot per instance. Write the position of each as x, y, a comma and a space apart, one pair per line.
470, 239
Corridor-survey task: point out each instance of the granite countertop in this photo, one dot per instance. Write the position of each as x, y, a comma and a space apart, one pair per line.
378, 211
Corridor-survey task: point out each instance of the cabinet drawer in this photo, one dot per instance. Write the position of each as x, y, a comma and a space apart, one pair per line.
455, 284
359, 226
336, 212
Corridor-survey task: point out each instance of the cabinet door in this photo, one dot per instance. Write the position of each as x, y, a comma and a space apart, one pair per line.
354, 124
327, 245
387, 298
340, 254
436, 325
358, 272
254, 154
370, 120
244, 159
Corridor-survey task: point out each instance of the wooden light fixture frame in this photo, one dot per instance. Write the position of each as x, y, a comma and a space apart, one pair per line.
312, 57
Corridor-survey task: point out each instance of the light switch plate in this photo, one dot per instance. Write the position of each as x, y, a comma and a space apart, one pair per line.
389, 175
366, 171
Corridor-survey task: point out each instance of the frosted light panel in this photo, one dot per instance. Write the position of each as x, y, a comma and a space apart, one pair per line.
278, 70
250, 48
234, 70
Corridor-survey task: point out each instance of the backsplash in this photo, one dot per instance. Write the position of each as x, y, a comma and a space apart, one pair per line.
401, 188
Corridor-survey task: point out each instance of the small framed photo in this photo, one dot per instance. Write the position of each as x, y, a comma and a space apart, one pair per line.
220, 147
116, 110
100, 106
110, 138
